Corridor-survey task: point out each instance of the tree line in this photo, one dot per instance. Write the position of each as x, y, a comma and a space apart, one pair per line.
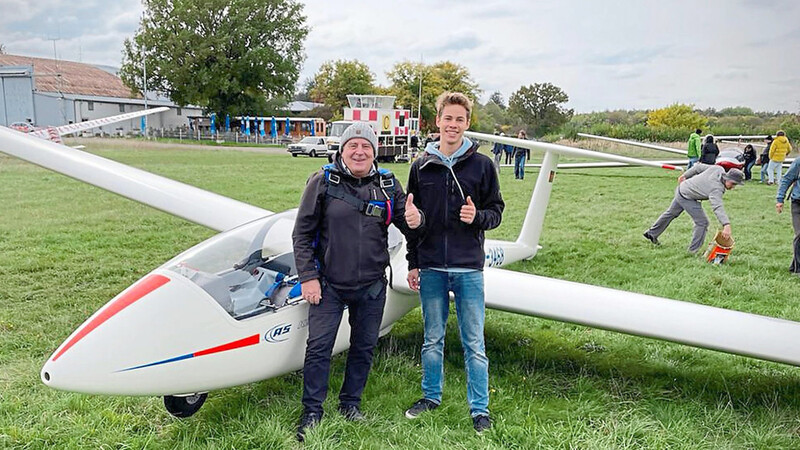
244, 57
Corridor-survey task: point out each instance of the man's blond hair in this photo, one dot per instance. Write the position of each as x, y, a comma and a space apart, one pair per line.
453, 98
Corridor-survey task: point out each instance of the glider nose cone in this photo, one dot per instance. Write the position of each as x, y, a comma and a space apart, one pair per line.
87, 360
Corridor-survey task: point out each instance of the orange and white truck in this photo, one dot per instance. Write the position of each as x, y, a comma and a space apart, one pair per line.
394, 126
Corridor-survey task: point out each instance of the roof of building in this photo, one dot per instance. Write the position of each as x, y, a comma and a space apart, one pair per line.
301, 106
70, 77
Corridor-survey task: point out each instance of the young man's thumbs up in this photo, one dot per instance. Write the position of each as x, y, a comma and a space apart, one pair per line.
468, 211
413, 218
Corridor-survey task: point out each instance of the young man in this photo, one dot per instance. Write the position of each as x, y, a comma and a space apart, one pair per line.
694, 147
701, 182
458, 191
341, 253
792, 177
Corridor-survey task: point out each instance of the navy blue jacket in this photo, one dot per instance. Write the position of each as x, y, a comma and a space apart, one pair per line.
447, 241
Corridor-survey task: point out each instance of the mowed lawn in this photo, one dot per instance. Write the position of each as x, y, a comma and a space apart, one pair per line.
66, 248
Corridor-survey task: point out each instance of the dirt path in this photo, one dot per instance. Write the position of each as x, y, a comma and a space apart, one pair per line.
152, 145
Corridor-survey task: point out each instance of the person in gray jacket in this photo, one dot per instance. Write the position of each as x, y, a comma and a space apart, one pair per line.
701, 182
341, 252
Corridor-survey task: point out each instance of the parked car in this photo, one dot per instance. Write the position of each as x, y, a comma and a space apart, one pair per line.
312, 146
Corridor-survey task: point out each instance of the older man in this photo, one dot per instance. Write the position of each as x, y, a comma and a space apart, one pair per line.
701, 182
341, 253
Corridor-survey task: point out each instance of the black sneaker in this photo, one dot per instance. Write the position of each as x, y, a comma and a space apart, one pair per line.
351, 413
420, 407
307, 422
651, 238
481, 423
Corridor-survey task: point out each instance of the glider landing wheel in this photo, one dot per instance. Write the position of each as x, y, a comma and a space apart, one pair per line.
184, 406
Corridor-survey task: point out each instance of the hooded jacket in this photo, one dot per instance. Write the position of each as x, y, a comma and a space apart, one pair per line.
334, 241
779, 149
710, 153
694, 145
439, 193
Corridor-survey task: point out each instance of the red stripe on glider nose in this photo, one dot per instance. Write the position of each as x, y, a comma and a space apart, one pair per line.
144, 287
252, 340
667, 166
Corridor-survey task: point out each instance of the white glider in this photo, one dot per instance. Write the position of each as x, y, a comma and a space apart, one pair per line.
226, 311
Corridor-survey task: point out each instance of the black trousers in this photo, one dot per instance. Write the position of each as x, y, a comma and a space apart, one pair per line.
795, 267
366, 312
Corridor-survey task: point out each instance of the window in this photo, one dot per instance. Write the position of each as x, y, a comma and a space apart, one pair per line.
121, 108
90, 106
178, 111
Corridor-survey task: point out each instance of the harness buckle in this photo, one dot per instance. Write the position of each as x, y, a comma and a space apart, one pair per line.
387, 183
374, 210
333, 178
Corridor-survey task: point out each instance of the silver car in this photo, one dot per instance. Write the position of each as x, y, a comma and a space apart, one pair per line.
310, 145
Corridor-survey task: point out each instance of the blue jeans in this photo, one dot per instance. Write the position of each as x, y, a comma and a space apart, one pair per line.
434, 294
519, 165
692, 161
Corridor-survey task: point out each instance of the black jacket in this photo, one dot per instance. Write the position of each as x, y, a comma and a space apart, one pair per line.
351, 249
446, 241
749, 154
709, 153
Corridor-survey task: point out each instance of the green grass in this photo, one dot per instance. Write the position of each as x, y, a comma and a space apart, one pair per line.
67, 248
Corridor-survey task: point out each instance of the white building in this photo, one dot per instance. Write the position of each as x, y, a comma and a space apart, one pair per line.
46, 92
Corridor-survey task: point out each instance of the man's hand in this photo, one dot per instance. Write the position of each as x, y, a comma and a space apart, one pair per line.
779, 207
468, 211
726, 231
681, 179
413, 217
312, 292
413, 279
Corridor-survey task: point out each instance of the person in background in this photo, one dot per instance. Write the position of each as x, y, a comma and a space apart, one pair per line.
413, 145
694, 145
701, 182
497, 151
777, 154
509, 150
764, 158
710, 151
749, 161
520, 154
792, 177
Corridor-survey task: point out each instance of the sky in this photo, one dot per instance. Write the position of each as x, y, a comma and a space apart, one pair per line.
610, 54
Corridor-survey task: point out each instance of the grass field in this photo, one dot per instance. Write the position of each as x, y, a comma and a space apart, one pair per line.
67, 248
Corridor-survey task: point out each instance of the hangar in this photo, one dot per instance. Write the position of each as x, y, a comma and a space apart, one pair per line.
48, 92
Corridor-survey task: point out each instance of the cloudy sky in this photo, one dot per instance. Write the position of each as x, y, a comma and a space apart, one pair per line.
605, 54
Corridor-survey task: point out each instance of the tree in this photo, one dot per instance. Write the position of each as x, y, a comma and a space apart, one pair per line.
540, 107
676, 116
336, 79
404, 78
228, 56
303, 93
497, 99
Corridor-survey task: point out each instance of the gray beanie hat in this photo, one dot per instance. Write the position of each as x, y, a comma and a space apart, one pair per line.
360, 130
734, 175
